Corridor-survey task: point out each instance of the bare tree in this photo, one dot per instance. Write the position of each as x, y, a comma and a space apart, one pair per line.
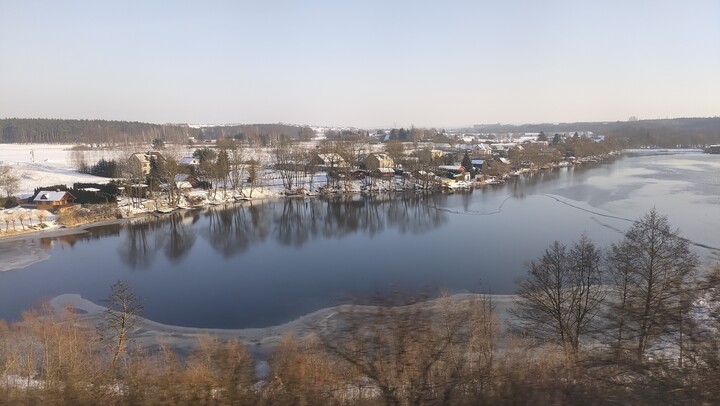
78, 159
303, 373
651, 269
338, 156
495, 167
282, 161
236, 157
396, 150
416, 353
216, 372
135, 175
562, 294
255, 176
22, 216
42, 216
120, 317
170, 168
66, 353
311, 169
9, 181
11, 217
701, 359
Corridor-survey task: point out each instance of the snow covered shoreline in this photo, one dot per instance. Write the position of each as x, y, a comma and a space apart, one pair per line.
19, 250
260, 341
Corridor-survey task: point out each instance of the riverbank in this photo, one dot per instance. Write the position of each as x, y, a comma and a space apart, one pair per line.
128, 211
17, 254
19, 251
59, 230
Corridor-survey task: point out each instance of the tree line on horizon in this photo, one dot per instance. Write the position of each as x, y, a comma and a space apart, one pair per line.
665, 133
107, 132
634, 324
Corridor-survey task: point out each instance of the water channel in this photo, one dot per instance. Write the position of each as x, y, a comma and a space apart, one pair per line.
261, 264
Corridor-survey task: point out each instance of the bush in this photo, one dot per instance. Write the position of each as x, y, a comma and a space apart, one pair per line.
73, 216
11, 202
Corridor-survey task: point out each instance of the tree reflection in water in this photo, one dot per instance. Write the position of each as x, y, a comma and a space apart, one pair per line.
180, 237
231, 231
171, 234
139, 249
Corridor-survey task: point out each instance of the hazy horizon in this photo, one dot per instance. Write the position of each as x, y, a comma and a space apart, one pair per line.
467, 126
368, 65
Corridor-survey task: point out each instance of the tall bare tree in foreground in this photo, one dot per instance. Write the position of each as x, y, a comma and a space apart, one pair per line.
120, 317
418, 353
651, 269
215, 372
701, 366
304, 374
562, 294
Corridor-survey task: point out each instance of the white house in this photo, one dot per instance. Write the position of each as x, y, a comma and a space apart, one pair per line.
189, 161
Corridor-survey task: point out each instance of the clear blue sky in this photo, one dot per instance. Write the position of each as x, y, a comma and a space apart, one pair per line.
362, 63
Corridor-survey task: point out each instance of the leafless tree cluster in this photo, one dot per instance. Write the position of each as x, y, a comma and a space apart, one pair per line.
441, 352
562, 294
639, 321
291, 164
22, 216
416, 353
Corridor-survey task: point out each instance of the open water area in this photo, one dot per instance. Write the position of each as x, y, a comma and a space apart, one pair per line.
259, 264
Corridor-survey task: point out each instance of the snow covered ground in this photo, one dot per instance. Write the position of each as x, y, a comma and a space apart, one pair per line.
47, 164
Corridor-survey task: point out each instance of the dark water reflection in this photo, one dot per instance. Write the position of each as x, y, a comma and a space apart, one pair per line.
263, 264
232, 231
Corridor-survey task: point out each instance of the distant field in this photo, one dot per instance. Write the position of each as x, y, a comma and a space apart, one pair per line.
47, 164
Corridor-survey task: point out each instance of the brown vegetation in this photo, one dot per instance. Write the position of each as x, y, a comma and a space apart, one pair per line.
656, 344
449, 351
74, 216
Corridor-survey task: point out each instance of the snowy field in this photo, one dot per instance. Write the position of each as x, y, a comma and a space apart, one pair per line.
48, 164
52, 164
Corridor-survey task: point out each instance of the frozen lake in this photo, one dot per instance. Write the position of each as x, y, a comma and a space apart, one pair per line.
266, 263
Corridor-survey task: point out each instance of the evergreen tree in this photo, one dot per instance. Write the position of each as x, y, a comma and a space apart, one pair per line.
158, 143
467, 162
